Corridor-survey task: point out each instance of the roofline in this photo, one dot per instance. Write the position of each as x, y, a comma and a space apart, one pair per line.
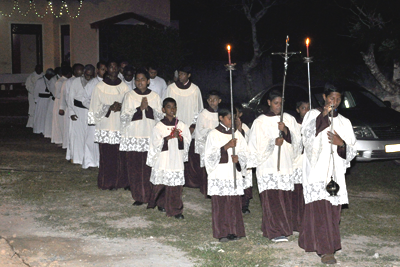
126, 16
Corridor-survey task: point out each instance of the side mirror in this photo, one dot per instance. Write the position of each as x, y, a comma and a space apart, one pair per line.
387, 104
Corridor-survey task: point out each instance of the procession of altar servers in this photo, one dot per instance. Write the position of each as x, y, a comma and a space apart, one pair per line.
111, 122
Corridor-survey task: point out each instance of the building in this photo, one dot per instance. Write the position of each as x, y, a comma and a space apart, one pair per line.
68, 32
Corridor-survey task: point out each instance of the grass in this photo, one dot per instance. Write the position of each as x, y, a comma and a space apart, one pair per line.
34, 172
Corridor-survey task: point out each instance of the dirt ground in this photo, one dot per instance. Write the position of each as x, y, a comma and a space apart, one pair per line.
24, 242
65, 227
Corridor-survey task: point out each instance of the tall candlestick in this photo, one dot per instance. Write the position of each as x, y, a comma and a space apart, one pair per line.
307, 44
229, 53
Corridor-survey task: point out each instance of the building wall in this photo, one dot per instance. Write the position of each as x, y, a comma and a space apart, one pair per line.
84, 40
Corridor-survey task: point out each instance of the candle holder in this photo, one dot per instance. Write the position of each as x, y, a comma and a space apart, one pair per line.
308, 59
230, 67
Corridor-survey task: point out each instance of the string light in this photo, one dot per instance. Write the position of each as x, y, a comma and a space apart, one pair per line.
49, 8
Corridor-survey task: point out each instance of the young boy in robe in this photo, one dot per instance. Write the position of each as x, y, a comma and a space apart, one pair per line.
128, 74
227, 220
207, 121
157, 84
141, 109
327, 153
275, 186
190, 102
169, 146
246, 173
302, 107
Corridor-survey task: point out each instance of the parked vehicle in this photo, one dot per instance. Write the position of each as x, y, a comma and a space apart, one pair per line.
375, 124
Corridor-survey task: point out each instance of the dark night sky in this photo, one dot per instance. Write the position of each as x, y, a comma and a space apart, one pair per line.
206, 26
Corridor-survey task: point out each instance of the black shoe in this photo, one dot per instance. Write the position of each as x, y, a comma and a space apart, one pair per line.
223, 239
161, 209
127, 188
179, 217
245, 211
137, 203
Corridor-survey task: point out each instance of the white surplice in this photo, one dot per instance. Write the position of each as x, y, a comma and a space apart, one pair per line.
135, 134
107, 128
159, 86
318, 165
49, 114
220, 175
206, 122
189, 102
168, 166
264, 152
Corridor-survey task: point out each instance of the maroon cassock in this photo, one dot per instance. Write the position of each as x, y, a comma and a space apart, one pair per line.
193, 171
111, 172
297, 207
320, 228
139, 176
227, 216
277, 213
168, 197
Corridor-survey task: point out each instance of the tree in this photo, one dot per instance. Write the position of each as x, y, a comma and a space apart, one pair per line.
249, 7
373, 34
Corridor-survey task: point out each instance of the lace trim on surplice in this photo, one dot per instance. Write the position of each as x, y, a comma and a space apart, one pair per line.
317, 191
134, 144
95, 117
275, 181
107, 137
165, 177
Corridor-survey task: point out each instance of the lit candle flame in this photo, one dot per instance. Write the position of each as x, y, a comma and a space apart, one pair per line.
308, 41
228, 47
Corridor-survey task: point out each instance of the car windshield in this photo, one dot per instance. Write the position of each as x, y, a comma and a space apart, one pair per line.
356, 99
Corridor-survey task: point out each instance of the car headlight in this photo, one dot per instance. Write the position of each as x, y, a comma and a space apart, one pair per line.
363, 132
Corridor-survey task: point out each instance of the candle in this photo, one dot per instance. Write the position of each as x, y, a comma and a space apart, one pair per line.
229, 53
307, 44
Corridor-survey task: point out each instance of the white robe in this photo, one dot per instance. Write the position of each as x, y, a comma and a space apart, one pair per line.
206, 122
107, 128
58, 120
189, 102
49, 114
131, 85
30, 87
78, 127
41, 105
168, 166
64, 106
91, 156
264, 152
159, 86
298, 164
317, 165
248, 172
220, 175
136, 134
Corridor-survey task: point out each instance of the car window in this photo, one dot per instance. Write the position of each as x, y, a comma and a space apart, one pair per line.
355, 99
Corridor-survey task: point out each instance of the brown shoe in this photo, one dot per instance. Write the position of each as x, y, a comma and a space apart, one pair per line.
328, 259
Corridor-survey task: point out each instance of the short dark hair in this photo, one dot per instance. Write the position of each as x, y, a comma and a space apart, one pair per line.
213, 92
331, 88
168, 100
142, 71
153, 66
225, 109
238, 106
301, 102
111, 61
76, 65
65, 70
274, 94
101, 62
187, 69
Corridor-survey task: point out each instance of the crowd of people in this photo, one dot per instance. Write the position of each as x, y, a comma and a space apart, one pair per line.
154, 139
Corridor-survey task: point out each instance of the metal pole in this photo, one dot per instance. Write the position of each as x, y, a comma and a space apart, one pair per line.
231, 67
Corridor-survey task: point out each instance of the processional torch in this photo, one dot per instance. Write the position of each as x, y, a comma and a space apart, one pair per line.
286, 55
230, 67
308, 60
